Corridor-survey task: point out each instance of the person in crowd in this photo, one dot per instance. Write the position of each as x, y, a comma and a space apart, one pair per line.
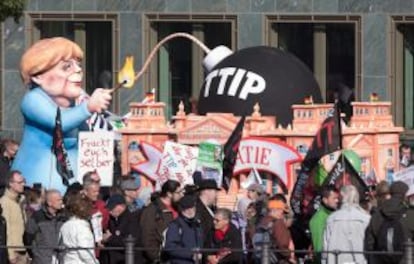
42, 228
3, 238
345, 228
256, 192
92, 176
156, 217
122, 223
33, 201
223, 239
76, 233
206, 200
130, 190
8, 149
317, 224
184, 234
275, 223
191, 189
12, 203
405, 156
391, 209
382, 193
99, 213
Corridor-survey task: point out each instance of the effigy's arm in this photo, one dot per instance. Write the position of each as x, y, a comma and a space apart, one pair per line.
41, 111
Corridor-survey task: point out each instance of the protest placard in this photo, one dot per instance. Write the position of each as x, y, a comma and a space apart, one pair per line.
210, 161
407, 176
178, 162
96, 153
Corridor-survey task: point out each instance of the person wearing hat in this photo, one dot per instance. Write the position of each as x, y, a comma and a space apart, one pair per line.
122, 223
275, 223
184, 234
130, 191
392, 208
207, 198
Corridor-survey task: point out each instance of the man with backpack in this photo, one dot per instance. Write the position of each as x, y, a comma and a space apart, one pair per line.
156, 217
272, 229
390, 227
184, 234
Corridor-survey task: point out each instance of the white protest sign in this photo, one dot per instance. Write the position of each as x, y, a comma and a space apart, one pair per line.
178, 162
407, 176
96, 152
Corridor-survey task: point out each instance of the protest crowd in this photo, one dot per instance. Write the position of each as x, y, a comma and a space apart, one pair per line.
172, 224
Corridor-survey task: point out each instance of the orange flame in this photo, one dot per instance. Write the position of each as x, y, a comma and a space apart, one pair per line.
126, 75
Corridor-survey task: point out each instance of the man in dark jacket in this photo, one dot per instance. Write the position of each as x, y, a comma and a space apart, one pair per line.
122, 223
223, 239
184, 234
156, 217
393, 208
206, 200
42, 228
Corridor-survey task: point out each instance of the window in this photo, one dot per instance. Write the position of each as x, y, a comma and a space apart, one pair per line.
95, 34
176, 73
402, 73
321, 42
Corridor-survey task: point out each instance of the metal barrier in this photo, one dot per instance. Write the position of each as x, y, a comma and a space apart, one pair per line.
130, 250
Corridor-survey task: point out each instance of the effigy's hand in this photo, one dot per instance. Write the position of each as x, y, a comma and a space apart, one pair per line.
99, 100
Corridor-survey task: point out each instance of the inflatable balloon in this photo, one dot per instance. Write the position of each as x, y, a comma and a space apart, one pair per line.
353, 159
269, 76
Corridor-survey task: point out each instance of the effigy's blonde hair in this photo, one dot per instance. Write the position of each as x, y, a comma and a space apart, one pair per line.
45, 54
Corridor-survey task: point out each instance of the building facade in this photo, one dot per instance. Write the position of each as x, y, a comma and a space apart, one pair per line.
364, 45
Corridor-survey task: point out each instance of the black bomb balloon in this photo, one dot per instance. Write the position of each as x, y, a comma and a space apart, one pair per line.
269, 76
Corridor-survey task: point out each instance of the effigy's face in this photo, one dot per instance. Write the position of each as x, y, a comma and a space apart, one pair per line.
63, 80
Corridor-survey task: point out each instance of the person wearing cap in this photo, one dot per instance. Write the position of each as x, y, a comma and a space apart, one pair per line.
156, 217
345, 229
51, 70
392, 208
184, 234
129, 189
122, 223
207, 198
275, 223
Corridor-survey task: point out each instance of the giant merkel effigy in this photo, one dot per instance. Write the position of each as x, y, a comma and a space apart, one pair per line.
53, 75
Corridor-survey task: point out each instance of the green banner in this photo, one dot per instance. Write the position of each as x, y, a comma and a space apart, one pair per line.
210, 161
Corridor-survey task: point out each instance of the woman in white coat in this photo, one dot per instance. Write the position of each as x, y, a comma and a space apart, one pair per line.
77, 233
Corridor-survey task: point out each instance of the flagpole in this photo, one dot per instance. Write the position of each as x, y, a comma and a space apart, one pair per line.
338, 112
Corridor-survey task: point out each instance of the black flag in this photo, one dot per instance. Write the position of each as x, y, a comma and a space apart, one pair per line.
58, 148
328, 139
230, 152
343, 173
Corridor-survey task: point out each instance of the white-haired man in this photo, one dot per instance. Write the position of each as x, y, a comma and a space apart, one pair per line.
345, 228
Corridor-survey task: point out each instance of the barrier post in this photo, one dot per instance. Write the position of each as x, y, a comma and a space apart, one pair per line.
129, 250
408, 251
265, 248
